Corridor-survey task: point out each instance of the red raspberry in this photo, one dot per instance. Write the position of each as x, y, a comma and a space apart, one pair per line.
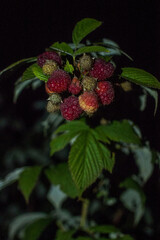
105, 92
70, 108
88, 101
59, 81
101, 69
75, 86
49, 56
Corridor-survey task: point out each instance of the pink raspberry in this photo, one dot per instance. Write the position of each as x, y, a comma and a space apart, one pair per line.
70, 108
75, 86
89, 102
50, 55
101, 69
105, 92
59, 81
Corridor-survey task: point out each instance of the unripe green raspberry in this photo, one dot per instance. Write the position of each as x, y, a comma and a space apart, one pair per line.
85, 62
55, 98
52, 107
49, 67
89, 83
126, 86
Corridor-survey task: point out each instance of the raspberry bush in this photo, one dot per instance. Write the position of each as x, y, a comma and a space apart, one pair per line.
83, 83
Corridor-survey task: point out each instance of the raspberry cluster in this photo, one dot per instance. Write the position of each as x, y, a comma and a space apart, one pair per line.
84, 91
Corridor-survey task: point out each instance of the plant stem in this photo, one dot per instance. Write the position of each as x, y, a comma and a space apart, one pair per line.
85, 204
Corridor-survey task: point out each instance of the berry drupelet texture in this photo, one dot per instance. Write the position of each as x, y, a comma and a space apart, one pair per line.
75, 86
105, 92
101, 69
59, 81
88, 101
70, 108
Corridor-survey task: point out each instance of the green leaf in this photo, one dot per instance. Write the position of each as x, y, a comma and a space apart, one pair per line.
28, 73
28, 180
140, 77
130, 183
83, 28
34, 230
73, 126
62, 235
119, 132
69, 67
58, 143
60, 175
37, 70
11, 178
104, 229
85, 160
18, 63
108, 161
62, 47
99, 135
89, 49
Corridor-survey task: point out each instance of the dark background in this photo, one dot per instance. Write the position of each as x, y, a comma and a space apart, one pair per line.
28, 27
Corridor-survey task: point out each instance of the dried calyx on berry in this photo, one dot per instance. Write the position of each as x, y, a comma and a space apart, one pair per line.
55, 98
89, 83
85, 62
52, 107
49, 67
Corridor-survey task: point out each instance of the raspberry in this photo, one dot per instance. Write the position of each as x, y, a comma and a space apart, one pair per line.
52, 107
88, 101
49, 56
102, 69
70, 108
47, 90
55, 98
75, 86
85, 62
59, 81
89, 83
105, 92
49, 67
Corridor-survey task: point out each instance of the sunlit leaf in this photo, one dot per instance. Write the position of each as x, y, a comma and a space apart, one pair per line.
85, 160
62, 47
83, 28
89, 49
140, 77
